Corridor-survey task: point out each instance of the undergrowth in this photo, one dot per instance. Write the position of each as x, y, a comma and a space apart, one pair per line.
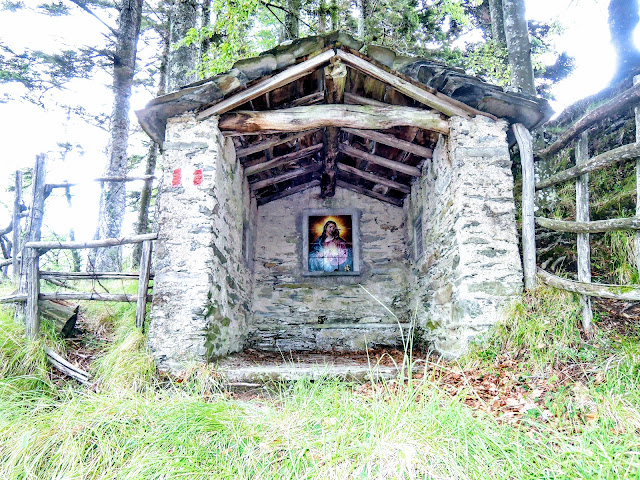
133, 424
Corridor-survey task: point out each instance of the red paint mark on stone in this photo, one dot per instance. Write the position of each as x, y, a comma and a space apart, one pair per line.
177, 177
197, 177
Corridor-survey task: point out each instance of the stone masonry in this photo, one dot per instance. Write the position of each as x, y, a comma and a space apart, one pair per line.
202, 287
471, 267
296, 312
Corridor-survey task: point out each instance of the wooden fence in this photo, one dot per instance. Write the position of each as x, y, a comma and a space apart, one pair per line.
25, 257
583, 226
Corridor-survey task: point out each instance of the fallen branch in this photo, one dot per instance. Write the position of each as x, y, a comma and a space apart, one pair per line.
67, 368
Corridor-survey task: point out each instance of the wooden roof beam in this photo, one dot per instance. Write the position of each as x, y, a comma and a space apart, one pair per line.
283, 78
282, 160
335, 77
315, 116
353, 99
285, 176
271, 142
392, 141
374, 178
364, 191
288, 191
378, 160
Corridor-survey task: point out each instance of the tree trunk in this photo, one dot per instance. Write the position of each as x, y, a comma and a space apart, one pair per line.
112, 201
291, 19
497, 22
363, 29
183, 61
518, 45
623, 19
142, 225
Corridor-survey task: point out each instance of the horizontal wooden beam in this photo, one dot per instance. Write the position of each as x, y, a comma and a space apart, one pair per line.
620, 154
617, 292
419, 94
285, 176
374, 178
317, 97
597, 226
44, 275
282, 160
369, 193
288, 191
616, 104
317, 116
353, 99
107, 242
392, 141
144, 178
271, 142
103, 297
283, 78
378, 160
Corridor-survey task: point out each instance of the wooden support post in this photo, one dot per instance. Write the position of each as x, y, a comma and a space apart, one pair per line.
143, 283
523, 137
335, 79
29, 278
582, 215
636, 81
17, 206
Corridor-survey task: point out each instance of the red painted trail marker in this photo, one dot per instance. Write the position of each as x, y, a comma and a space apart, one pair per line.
177, 178
197, 177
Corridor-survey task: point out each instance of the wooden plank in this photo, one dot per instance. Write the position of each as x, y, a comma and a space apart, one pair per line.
17, 230
616, 104
620, 154
421, 95
14, 298
285, 176
374, 178
335, 79
616, 292
283, 78
143, 283
67, 368
283, 160
45, 274
353, 99
288, 191
392, 141
598, 226
523, 137
107, 242
582, 215
369, 193
270, 143
385, 162
144, 178
317, 116
317, 97
102, 297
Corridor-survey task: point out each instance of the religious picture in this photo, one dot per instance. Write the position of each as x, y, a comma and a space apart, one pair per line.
330, 244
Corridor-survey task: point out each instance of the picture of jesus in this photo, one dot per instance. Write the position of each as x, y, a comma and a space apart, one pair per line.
330, 252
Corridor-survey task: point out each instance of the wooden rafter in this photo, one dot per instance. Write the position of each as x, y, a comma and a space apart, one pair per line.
335, 80
378, 160
282, 160
312, 99
369, 193
283, 78
314, 116
288, 191
353, 99
271, 142
285, 176
374, 178
392, 141
443, 104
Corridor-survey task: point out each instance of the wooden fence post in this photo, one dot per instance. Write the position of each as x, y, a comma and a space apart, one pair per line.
582, 215
17, 230
523, 137
143, 282
30, 277
636, 80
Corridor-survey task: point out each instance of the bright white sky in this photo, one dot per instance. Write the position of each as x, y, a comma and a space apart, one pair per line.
26, 130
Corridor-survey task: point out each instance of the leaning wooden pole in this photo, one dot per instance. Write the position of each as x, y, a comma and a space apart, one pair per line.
582, 215
17, 207
523, 137
30, 281
143, 283
636, 81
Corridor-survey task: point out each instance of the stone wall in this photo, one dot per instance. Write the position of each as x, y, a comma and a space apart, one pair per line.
471, 265
202, 286
296, 312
